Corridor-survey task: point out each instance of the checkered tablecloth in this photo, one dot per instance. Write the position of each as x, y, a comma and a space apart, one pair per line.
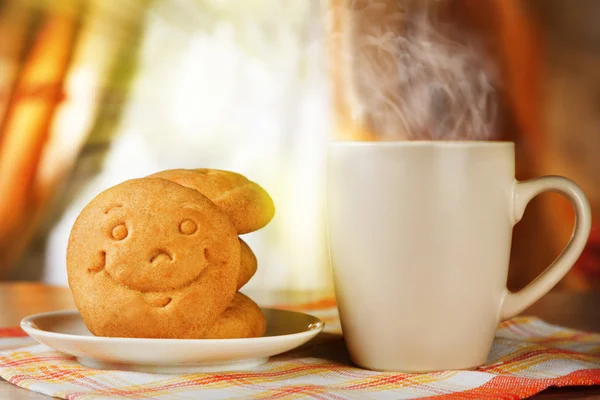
527, 357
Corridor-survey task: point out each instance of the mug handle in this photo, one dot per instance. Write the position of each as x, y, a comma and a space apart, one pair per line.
523, 192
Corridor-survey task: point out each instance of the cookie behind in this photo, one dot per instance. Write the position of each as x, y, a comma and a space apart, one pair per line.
246, 203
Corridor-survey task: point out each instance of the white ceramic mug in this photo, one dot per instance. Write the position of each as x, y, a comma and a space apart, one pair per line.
420, 236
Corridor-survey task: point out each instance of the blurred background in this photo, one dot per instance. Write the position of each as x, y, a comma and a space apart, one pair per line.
95, 92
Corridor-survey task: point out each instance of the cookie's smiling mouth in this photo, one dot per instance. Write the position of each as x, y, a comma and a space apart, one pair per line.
152, 298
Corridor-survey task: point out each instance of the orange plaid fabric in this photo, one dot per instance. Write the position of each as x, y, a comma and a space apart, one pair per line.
527, 357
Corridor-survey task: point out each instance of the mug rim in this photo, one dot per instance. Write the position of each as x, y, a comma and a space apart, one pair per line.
422, 143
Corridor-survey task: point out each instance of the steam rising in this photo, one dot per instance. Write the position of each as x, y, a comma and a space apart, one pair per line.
416, 78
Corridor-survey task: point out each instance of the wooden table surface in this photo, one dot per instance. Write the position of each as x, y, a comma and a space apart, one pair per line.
574, 310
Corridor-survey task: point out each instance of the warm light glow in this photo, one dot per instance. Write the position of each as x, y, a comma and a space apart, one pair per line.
248, 93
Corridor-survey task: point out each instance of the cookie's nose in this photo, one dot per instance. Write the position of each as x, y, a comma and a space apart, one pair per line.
161, 254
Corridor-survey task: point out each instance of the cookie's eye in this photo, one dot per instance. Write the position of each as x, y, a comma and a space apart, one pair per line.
119, 232
187, 227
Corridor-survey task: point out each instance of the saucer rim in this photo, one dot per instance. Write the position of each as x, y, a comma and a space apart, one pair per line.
27, 324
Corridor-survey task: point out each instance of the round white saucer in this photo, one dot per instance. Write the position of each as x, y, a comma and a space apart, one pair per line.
65, 331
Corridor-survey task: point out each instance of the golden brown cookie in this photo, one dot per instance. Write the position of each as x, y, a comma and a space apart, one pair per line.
248, 264
242, 319
153, 259
247, 204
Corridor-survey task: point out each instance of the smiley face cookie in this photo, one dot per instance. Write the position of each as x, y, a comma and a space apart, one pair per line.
151, 258
247, 204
